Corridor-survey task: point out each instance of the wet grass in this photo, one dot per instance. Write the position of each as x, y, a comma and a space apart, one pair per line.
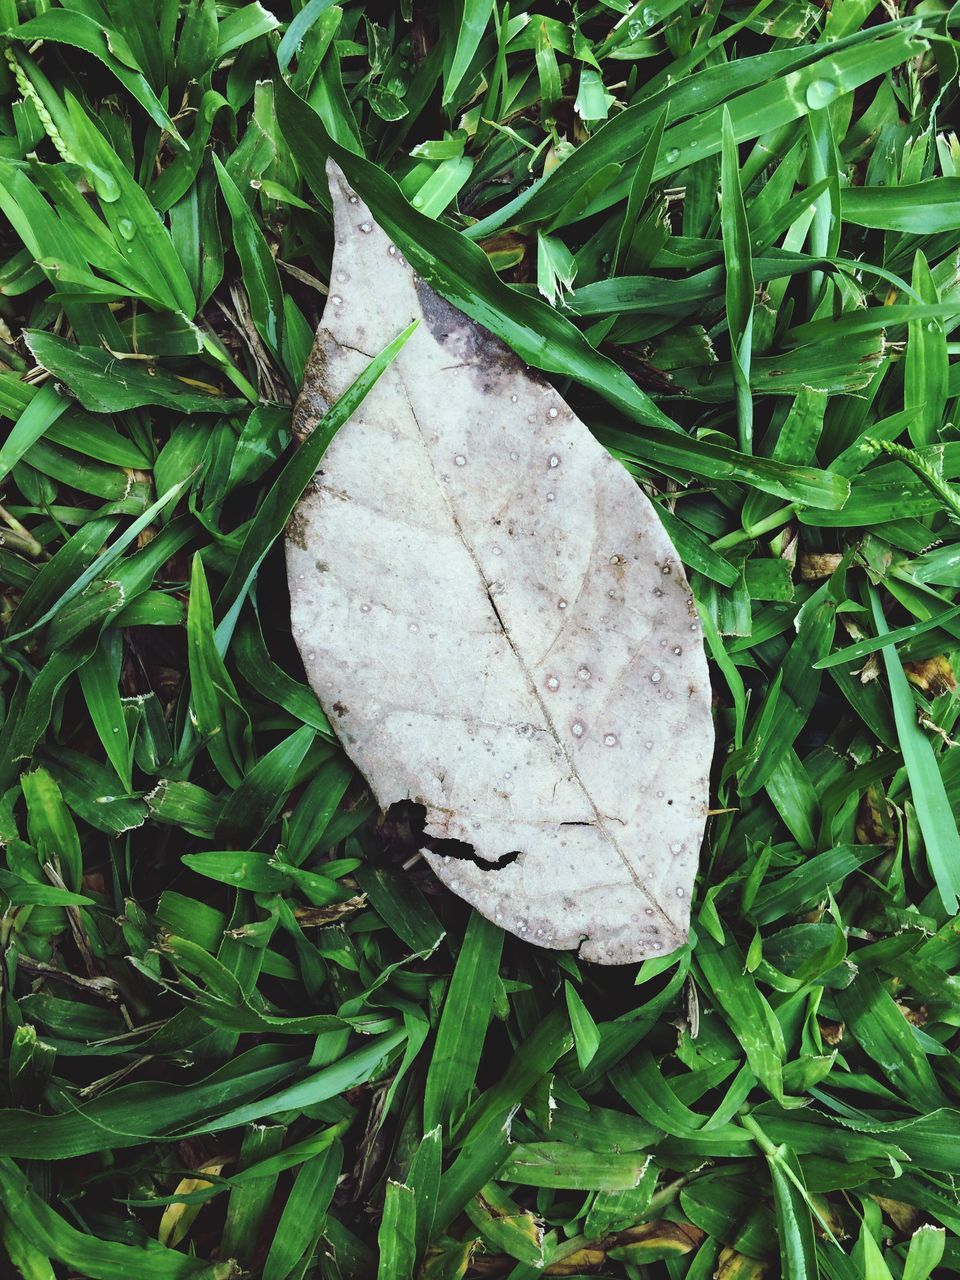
238, 1035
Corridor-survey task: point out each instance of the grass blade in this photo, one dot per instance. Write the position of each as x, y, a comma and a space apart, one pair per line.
740, 287
934, 813
463, 1025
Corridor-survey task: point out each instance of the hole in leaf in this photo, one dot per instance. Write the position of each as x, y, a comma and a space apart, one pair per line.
414, 815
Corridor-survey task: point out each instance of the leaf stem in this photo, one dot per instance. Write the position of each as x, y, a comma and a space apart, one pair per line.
773, 521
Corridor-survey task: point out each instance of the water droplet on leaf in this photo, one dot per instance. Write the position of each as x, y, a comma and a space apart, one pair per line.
105, 185
820, 93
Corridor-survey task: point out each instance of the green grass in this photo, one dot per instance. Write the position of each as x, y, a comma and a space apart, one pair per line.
240, 1032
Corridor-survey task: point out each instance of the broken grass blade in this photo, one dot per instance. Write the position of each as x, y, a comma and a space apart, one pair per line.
397, 1234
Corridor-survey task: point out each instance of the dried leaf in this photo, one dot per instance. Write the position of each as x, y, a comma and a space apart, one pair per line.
314, 917
650, 1241
179, 1216
831, 1032
496, 623
933, 675
737, 1266
817, 564
876, 818
907, 1218
870, 669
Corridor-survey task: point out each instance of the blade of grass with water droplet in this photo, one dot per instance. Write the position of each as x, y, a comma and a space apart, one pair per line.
99, 680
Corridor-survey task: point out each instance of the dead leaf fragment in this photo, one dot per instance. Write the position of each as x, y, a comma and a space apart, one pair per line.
870, 669
933, 675
737, 1266
817, 564
905, 1217
876, 818
651, 1241
831, 1032
180, 1216
502, 619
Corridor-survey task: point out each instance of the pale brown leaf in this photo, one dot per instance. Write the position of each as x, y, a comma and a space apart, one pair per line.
496, 623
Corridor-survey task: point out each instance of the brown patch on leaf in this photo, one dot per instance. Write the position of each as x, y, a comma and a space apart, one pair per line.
650, 1241
905, 1217
737, 1266
314, 397
830, 1032
456, 1259
315, 917
870, 669
875, 819
933, 675
505, 250
297, 530
643, 1243
466, 342
917, 1016
817, 564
